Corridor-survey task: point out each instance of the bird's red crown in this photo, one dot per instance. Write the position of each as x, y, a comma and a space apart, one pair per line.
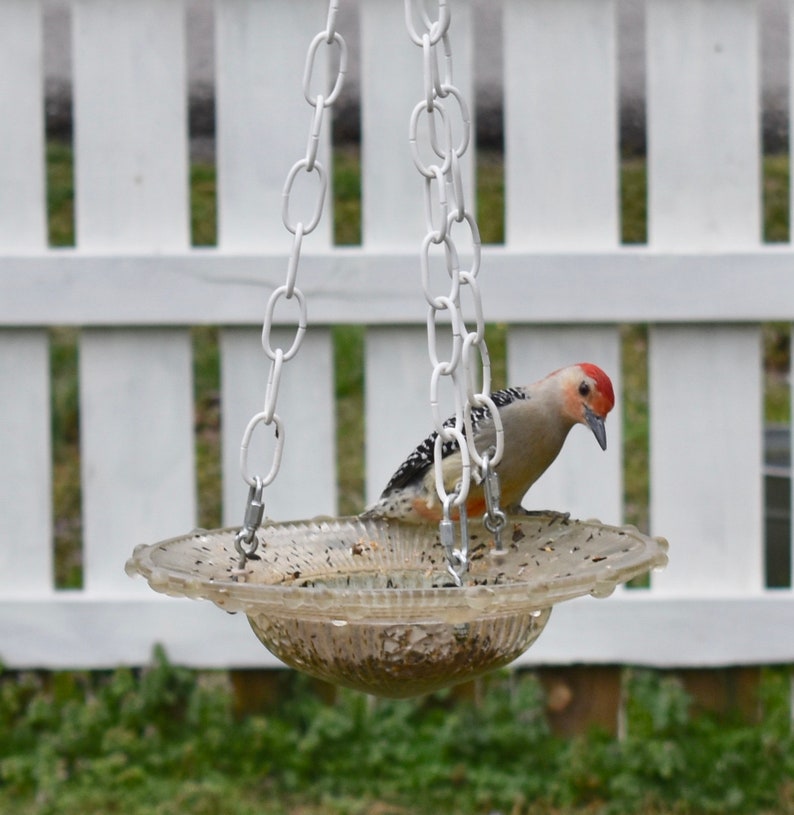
602, 381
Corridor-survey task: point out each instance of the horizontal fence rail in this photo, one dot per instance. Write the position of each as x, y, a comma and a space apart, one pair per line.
209, 286
562, 284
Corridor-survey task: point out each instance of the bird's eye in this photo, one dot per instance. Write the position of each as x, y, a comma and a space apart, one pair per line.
584, 389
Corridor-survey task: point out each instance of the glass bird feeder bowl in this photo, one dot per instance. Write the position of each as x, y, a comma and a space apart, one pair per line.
370, 604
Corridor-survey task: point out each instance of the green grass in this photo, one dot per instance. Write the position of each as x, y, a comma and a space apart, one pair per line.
203, 205
634, 201
777, 336
776, 226
349, 365
66, 463
347, 197
207, 418
60, 194
166, 740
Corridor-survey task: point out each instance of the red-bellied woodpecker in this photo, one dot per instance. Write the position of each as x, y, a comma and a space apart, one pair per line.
536, 420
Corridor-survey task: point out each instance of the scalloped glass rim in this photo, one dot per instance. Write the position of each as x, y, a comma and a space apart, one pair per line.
370, 605
356, 569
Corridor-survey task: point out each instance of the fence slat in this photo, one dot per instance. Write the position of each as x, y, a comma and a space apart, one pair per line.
130, 125
561, 191
561, 142
306, 484
262, 117
388, 179
26, 474
263, 127
704, 192
137, 447
398, 413
26, 560
703, 118
22, 211
705, 449
391, 86
131, 192
397, 367
584, 480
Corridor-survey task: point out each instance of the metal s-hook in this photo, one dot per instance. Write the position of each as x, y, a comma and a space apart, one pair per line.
495, 519
246, 542
457, 557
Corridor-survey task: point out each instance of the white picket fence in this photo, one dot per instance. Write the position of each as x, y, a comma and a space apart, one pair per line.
561, 281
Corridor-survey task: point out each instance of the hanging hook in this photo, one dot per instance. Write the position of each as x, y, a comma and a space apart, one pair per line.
246, 542
457, 557
495, 519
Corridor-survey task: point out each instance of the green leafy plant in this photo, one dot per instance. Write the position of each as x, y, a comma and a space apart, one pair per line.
103, 742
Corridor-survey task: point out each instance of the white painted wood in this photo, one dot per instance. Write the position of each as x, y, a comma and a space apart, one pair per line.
26, 556
136, 429
398, 369
244, 370
350, 284
389, 180
22, 202
79, 630
704, 193
263, 126
706, 456
561, 191
75, 631
703, 123
262, 119
391, 86
584, 480
306, 484
130, 124
690, 631
131, 194
561, 140
397, 396
26, 561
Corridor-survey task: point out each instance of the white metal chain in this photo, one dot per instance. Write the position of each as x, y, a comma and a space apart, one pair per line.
445, 208
321, 102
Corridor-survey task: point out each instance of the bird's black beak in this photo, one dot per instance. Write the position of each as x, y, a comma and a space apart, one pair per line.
596, 424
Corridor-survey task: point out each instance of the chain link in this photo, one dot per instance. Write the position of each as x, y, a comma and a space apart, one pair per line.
445, 206
307, 166
435, 29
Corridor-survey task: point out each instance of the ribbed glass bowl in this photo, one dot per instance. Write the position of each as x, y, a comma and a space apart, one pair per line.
370, 604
